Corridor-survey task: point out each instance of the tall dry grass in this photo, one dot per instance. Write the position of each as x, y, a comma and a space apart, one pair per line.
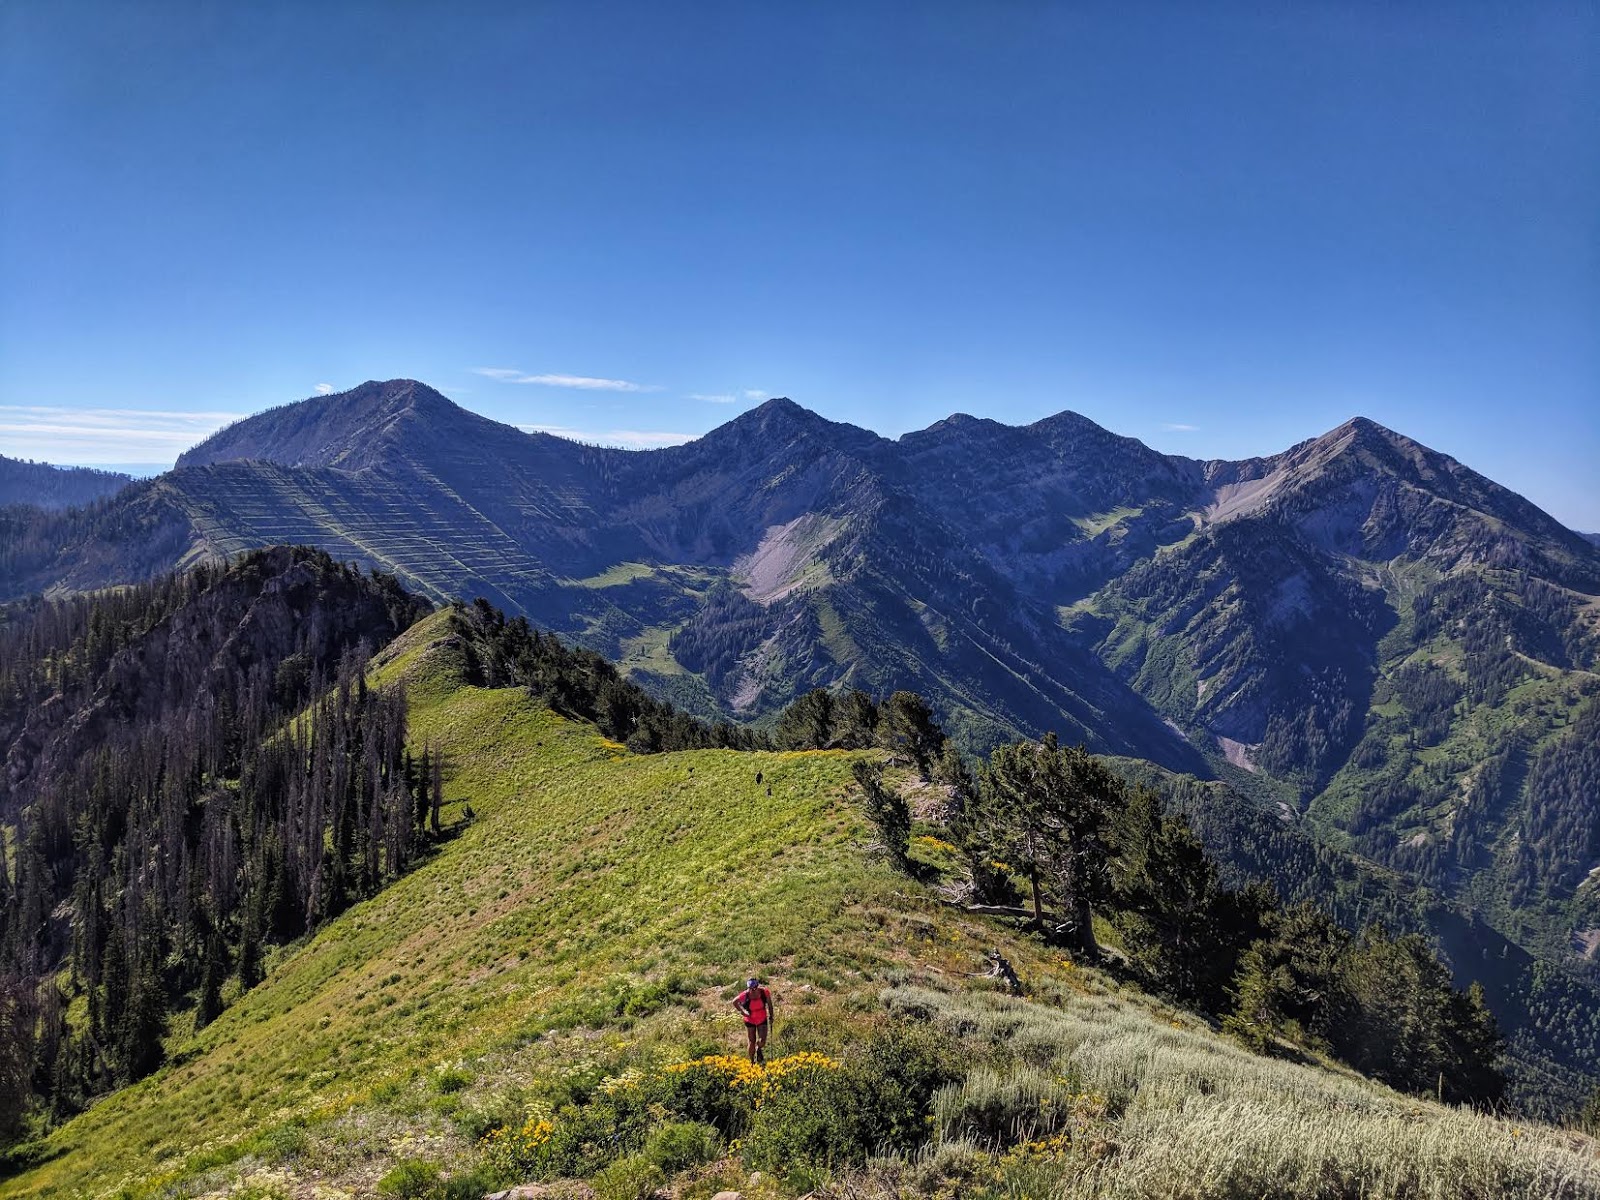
1195, 1117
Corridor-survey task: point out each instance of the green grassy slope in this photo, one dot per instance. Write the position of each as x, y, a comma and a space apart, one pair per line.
584, 866
597, 909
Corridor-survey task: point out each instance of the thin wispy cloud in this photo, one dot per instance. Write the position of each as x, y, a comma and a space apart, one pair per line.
98, 435
626, 439
587, 383
324, 389
714, 397
755, 393
1179, 427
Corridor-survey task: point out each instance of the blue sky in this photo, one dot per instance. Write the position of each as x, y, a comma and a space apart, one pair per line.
1221, 229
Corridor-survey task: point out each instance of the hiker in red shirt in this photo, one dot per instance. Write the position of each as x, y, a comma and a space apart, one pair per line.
755, 1006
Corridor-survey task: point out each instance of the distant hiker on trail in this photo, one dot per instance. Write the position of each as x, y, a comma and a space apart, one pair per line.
755, 1006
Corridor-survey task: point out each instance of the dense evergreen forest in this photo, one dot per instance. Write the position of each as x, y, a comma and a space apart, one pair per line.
197, 770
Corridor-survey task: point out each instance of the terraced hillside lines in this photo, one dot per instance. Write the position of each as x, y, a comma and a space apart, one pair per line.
585, 866
443, 546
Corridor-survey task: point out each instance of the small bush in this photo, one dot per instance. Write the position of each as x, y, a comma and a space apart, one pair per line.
815, 1124
410, 1179
680, 1145
471, 1186
474, 1122
585, 1139
24, 1156
258, 1190
949, 1169
511, 1150
997, 1109
897, 1073
281, 1143
877, 1102
1030, 1175
632, 1178
451, 1079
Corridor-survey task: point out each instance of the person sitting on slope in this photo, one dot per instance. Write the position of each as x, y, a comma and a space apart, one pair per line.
755, 1006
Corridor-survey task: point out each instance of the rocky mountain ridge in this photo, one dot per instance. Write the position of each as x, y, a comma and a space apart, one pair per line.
1352, 628
43, 485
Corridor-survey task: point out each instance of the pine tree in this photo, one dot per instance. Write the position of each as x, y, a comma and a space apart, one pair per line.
17, 1023
807, 724
142, 1023
1045, 811
855, 721
1171, 903
1263, 990
888, 809
906, 728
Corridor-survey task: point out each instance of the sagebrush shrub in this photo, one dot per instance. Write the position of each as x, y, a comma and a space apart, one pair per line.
679, 1145
410, 1179
631, 1178
1001, 1108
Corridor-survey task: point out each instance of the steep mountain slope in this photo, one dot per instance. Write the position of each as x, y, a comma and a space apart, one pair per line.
44, 486
580, 933
166, 658
1396, 649
1394, 640
157, 824
1059, 506
780, 546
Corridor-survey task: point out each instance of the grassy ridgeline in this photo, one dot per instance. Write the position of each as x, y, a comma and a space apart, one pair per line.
588, 872
591, 922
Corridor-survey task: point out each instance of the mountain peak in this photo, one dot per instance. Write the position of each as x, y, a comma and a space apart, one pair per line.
780, 412
389, 393
1364, 429
1065, 419
963, 422
322, 431
957, 430
781, 417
